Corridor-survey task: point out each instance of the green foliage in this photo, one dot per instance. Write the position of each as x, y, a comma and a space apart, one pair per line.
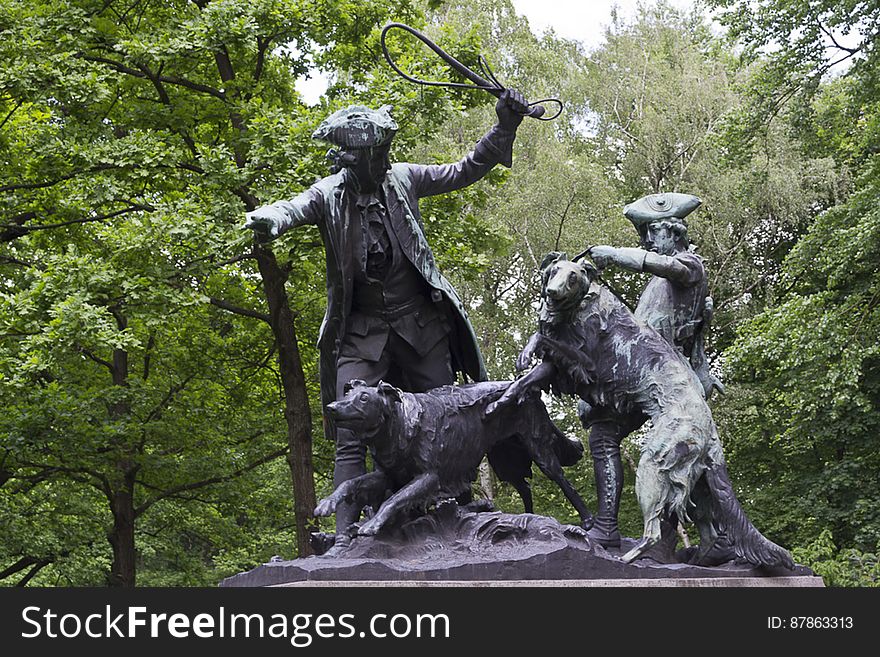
848, 567
824, 331
132, 355
804, 372
666, 108
133, 136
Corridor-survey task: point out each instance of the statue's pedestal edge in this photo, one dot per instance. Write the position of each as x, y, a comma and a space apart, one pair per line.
797, 581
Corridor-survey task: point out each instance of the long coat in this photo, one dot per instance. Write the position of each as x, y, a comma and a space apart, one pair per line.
330, 204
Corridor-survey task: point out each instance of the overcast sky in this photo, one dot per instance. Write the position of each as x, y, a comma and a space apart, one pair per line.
583, 20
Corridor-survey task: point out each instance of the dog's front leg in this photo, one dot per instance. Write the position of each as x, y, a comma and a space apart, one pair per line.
518, 390
420, 491
528, 352
360, 489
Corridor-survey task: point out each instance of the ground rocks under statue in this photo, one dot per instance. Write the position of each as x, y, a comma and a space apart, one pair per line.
452, 544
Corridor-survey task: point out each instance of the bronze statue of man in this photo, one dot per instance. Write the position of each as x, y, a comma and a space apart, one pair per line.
676, 304
391, 315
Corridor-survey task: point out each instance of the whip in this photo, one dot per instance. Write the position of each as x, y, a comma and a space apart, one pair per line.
492, 85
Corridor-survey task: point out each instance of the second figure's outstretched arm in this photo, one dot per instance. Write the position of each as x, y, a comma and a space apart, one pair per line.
636, 259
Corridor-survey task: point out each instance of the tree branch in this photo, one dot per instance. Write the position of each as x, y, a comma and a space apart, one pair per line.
148, 352
190, 167
246, 312
11, 112
238, 258
15, 228
80, 475
227, 74
8, 260
94, 357
33, 571
177, 490
564, 217
169, 79
826, 32
49, 183
157, 411
18, 231
21, 564
262, 46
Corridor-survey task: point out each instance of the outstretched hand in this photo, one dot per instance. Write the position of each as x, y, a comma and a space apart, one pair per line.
511, 108
602, 255
264, 228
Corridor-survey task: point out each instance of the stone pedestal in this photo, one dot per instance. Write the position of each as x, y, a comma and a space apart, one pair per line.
452, 547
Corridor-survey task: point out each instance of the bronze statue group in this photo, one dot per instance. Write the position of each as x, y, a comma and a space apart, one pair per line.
396, 333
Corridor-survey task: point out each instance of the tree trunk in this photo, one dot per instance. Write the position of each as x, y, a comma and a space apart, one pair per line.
486, 481
123, 569
296, 400
121, 496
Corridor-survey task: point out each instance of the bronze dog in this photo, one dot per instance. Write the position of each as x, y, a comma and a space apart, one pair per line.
427, 446
591, 345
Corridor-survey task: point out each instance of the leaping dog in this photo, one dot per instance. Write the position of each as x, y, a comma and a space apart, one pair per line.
590, 345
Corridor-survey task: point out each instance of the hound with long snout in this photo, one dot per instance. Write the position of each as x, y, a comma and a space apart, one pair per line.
590, 345
427, 446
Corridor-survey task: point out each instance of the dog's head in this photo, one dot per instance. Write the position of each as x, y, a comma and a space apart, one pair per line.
364, 409
566, 286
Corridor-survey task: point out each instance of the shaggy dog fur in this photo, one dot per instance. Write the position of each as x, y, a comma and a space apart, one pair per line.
590, 345
427, 446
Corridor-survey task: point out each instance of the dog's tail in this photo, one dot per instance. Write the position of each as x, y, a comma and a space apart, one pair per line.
748, 542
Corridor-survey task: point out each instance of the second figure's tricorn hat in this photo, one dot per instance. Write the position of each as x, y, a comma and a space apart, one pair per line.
670, 206
358, 127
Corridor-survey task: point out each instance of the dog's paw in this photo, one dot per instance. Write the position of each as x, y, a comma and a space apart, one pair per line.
587, 522
325, 507
527, 355
369, 528
523, 361
507, 399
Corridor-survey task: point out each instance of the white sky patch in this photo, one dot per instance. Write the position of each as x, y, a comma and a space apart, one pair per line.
312, 88
582, 20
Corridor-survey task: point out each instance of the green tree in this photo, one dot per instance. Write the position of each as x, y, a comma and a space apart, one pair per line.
666, 100
134, 136
805, 407
808, 407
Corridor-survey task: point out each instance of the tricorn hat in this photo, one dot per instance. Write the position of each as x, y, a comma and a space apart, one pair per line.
655, 207
358, 127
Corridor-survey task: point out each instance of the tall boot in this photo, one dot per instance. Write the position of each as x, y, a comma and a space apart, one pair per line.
347, 513
350, 463
608, 470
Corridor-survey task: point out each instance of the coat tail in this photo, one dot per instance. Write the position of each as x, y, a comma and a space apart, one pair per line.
568, 450
748, 542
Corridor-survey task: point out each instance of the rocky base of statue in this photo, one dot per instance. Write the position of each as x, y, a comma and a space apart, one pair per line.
454, 544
